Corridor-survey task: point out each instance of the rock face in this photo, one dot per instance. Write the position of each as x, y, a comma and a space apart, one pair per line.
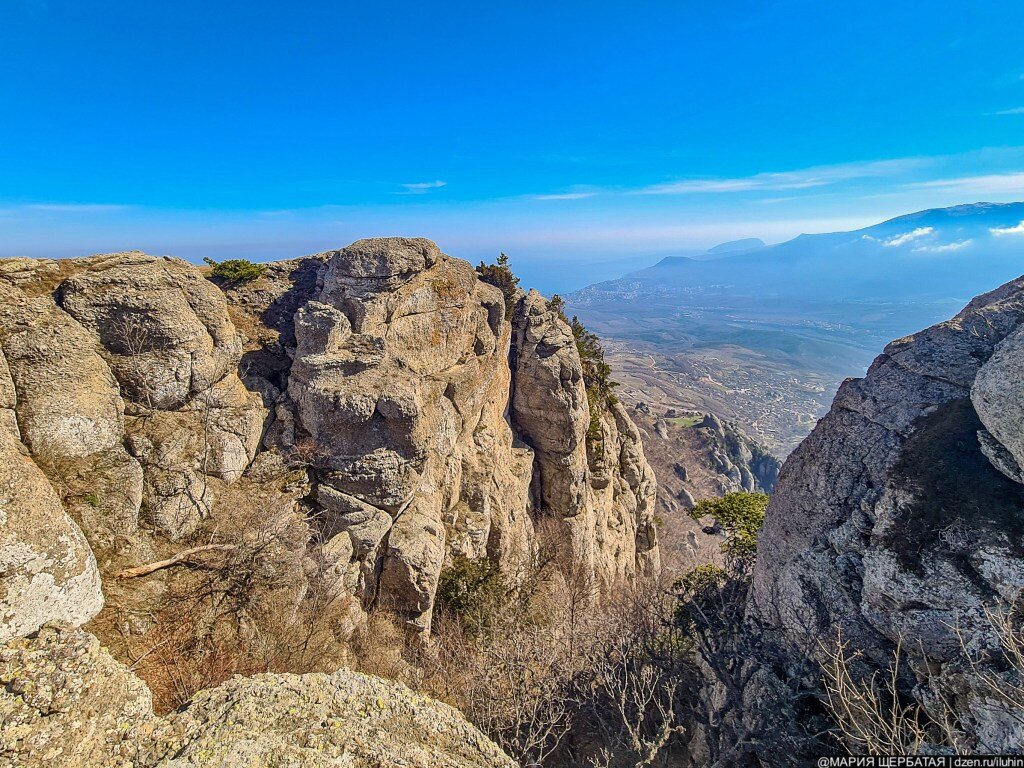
49, 574
358, 419
388, 363
65, 701
901, 515
400, 380
139, 394
590, 473
697, 456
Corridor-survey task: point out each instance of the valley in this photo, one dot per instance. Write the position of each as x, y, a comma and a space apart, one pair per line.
764, 336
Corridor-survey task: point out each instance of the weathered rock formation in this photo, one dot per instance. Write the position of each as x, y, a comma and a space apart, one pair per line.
145, 393
49, 574
388, 363
350, 422
697, 456
66, 701
592, 475
901, 516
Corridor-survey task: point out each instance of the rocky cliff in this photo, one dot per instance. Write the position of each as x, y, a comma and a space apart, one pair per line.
337, 431
697, 456
899, 520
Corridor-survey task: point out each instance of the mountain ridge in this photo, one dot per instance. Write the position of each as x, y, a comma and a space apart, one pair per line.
810, 311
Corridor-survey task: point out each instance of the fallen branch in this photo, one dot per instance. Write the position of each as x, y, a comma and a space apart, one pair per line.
145, 570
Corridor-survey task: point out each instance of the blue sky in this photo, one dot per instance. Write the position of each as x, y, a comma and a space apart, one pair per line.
569, 134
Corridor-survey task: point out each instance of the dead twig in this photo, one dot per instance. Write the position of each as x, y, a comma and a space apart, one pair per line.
145, 570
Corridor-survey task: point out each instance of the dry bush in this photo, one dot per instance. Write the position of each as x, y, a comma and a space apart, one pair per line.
632, 693
1007, 688
548, 668
256, 597
382, 646
874, 714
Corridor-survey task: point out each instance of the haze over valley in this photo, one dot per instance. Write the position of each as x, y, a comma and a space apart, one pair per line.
764, 335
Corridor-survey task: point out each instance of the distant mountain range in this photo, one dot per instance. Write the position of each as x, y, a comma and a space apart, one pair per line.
816, 308
935, 254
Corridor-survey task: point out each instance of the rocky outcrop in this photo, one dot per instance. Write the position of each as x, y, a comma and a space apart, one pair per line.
901, 516
387, 363
321, 720
697, 456
590, 470
49, 574
65, 701
381, 372
400, 380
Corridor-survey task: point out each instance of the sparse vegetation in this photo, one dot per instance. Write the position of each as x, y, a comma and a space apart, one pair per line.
740, 515
500, 275
244, 602
472, 592
235, 270
596, 372
557, 305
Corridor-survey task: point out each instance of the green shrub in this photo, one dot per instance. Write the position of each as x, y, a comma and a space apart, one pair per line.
740, 515
472, 590
557, 305
235, 270
597, 374
500, 275
702, 579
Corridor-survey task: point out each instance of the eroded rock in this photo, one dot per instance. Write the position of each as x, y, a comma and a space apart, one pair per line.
890, 522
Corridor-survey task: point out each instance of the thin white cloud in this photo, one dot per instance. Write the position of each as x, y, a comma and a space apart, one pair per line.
897, 240
806, 178
944, 248
564, 196
422, 187
993, 183
1000, 231
74, 207
1013, 111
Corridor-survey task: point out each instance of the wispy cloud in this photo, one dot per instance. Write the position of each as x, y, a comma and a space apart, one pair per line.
1000, 231
74, 207
564, 196
806, 178
1013, 111
993, 183
897, 240
944, 247
421, 187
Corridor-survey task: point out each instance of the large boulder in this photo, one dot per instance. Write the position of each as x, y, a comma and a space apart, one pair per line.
323, 721
65, 701
890, 523
48, 571
165, 329
996, 395
69, 405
